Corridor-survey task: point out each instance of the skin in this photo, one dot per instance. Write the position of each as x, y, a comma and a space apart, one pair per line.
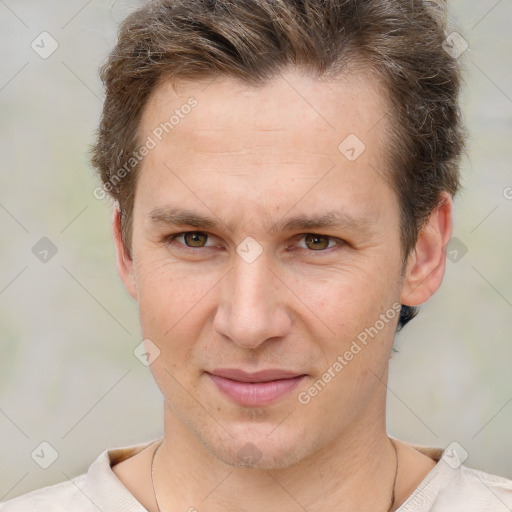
251, 158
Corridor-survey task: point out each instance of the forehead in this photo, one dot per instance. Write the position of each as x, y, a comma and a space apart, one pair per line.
350, 104
266, 146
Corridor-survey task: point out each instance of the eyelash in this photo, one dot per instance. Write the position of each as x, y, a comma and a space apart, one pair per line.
339, 242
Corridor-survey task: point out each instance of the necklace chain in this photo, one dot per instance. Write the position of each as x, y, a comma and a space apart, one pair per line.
152, 479
392, 502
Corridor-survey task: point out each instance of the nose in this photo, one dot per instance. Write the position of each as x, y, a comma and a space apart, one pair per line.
252, 306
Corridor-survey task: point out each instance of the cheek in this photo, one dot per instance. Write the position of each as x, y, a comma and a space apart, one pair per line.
348, 308
175, 306
351, 293
168, 294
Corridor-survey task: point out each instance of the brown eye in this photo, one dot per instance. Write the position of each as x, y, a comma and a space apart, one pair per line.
195, 239
316, 242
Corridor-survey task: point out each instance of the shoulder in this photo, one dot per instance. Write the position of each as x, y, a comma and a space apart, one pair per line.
478, 491
98, 489
461, 490
59, 497
453, 487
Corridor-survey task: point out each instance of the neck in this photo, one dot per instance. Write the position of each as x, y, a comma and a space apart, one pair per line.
356, 471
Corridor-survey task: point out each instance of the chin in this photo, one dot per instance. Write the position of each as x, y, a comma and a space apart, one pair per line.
259, 450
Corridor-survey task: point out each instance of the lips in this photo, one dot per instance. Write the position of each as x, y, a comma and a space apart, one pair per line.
255, 389
261, 376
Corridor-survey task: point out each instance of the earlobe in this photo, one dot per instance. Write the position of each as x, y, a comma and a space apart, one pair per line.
427, 262
124, 261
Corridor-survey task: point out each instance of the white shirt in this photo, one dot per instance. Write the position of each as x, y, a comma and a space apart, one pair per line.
448, 487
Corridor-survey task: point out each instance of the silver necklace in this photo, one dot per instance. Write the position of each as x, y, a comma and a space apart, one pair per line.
152, 479
392, 501
392, 504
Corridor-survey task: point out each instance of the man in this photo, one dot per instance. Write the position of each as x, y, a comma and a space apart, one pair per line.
283, 173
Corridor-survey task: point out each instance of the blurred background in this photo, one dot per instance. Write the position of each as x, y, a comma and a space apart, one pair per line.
68, 374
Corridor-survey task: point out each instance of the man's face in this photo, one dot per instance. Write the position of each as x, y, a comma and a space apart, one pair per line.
321, 266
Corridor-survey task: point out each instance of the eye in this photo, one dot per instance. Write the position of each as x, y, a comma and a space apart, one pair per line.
192, 239
316, 242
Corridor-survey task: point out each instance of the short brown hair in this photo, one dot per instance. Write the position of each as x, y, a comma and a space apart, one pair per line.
401, 41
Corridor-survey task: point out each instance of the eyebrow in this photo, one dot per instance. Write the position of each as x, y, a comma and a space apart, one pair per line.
179, 217
329, 220
168, 216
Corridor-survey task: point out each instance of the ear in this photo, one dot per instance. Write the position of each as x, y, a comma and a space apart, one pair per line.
427, 262
123, 259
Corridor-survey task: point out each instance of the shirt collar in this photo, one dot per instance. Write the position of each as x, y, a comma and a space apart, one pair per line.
105, 490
